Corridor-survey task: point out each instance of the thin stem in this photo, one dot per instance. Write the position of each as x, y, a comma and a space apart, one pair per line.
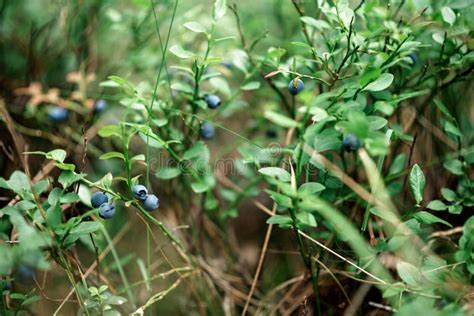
157, 81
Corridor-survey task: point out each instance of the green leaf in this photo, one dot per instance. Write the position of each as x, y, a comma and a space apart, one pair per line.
195, 27
280, 119
398, 164
199, 149
453, 129
25, 205
57, 155
282, 220
428, 218
84, 193
112, 154
280, 199
382, 83
276, 53
417, 182
41, 186
221, 85
317, 24
306, 219
408, 273
200, 187
54, 196
127, 87
455, 209
65, 166
371, 74
454, 166
276, 172
110, 130
66, 178
85, 228
220, 8
18, 182
180, 52
301, 44
376, 122
449, 194
106, 180
382, 213
440, 105
253, 85
311, 188
394, 289
70, 197
168, 173
139, 157
448, 15
437, 205
225, 38
209, 61
4, 184
432, 269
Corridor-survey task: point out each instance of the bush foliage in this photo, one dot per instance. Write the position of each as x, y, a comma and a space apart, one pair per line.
299, 157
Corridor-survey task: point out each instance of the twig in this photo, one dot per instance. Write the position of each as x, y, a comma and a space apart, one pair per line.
260, 261
449, 232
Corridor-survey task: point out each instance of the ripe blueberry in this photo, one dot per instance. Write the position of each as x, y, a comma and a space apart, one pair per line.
100, 105
350, 143
213, 101
151, 203
271, 133
140, 192
295, 86
413, 57
207, 130
98, 198
58, 114
106, 210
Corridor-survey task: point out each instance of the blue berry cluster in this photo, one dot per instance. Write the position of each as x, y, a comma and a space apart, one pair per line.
150, 202
295, 86
101, 201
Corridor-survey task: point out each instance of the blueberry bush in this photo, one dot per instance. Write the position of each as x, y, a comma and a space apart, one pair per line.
277, 157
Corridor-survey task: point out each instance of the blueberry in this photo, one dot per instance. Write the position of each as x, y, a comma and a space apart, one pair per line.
24, 273
295, 86
213, 101
58, 114
100, 105
350, 143
140, 192
207, 130
98, 198
106, 211
271, 133
151, 203
413, 57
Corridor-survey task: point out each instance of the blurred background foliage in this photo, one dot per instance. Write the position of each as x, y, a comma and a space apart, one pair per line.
63, 53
